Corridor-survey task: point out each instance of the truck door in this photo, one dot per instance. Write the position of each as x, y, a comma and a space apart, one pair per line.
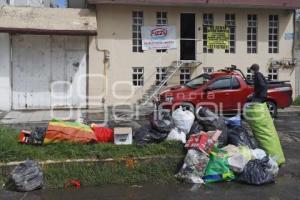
238, 95
218, 96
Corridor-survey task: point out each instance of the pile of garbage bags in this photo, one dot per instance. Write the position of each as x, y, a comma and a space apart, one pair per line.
221, 149
180, 126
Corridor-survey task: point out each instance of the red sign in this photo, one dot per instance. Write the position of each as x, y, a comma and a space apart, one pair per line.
159, 32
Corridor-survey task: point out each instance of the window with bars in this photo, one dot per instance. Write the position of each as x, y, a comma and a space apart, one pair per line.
161, 74
138, 76
273, 34
185, 75
137, 23
208, 70
249, 74
252, 34
208, 20
161, 20
230, 23
273, 74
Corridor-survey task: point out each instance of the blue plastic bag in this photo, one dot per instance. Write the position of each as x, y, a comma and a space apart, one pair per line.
234, 121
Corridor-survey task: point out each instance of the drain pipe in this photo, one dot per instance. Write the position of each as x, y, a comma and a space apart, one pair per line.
106, 62
296, 52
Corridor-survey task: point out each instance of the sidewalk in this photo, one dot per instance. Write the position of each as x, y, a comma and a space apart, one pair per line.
80, 115
37, 116
290, 109
92, 115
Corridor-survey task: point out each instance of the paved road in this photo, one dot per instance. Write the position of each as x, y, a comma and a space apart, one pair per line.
285, 189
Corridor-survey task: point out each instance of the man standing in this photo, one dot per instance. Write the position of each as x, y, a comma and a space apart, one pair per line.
260, 85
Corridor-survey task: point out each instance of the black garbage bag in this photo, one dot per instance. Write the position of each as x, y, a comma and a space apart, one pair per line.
256, 173
26, 177
161, 122
37, 136
196, 128
212, 122
147, 135
239, 136
133, 124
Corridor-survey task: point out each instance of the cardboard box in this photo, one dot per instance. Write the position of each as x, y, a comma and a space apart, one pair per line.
123, 136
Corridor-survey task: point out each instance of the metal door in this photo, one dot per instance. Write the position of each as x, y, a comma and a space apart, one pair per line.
48, 71
31, 71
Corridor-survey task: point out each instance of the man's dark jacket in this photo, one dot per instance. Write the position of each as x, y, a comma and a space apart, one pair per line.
260, 87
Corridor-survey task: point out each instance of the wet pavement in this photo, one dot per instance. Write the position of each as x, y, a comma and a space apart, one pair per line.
286, 187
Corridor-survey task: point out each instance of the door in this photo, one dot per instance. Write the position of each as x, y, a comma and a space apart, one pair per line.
48, 71
238, 95
68, 71
31, 71
187, 35
218, 95
76, 70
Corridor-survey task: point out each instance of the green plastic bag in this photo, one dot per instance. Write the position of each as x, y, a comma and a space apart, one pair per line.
260, 120
217, 169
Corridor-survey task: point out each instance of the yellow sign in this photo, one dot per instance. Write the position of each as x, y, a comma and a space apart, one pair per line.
217, 37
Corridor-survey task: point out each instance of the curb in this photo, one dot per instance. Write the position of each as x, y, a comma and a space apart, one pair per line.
92, 160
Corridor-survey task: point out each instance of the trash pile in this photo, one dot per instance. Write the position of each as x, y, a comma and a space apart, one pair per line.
218, 149
224, 150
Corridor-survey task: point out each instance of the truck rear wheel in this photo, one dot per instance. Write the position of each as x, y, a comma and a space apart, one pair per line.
273, 108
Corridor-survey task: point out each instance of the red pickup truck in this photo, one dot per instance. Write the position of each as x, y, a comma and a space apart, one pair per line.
224, 91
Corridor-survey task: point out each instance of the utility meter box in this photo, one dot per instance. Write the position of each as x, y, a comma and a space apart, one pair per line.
123, 136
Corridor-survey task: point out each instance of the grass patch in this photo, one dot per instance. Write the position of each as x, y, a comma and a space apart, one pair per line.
154, 171
157, 170
11, 150
297, 101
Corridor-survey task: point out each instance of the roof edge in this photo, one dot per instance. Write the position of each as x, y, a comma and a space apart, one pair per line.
269, 4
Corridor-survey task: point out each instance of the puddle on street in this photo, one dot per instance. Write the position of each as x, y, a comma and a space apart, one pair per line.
285, 188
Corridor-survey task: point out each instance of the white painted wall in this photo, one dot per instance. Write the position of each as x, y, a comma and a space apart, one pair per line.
5, 88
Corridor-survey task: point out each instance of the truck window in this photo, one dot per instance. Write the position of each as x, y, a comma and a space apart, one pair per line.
235, 83
198, 81
221, 84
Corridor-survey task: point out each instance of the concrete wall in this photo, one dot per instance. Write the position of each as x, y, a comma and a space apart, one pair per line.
297, 53
33, 3
77, 4
96, 75
5, 86
115, 35
3, 2
297, 75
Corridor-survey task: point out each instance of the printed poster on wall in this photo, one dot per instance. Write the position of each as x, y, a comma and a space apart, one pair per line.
218, 37
158, 37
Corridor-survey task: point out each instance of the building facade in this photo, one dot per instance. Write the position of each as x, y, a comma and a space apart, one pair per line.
44, 56
297, 53
258, 34
93, 57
